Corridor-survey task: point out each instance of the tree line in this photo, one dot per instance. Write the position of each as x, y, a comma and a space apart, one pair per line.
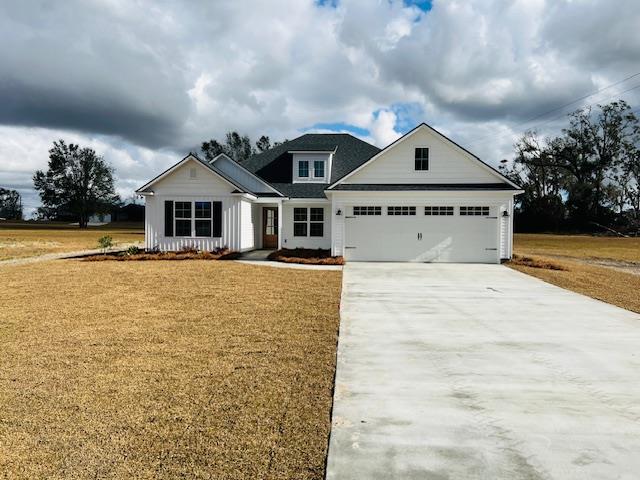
586, 179
79, 183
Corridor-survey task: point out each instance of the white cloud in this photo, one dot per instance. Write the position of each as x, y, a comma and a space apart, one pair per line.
144, 82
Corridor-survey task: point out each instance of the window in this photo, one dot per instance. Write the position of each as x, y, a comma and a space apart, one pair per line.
401, 211
203, 219
183, 219
316, 227
438, 210
308, 222
300, 222
474, 211
195, 219
422, 158
318, 168
303, 168
367, 211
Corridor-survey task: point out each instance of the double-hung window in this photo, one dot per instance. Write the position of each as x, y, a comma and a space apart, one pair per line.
300, 220
318, 168
303, 168
194, 219
183, 219
308, 222
203, 219
422, 158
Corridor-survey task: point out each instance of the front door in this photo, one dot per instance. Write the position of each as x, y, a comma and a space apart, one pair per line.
269, 227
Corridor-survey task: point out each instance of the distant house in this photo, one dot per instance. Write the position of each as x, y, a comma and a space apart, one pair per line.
422, 198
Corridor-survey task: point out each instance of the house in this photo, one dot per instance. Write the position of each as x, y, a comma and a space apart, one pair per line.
422, 198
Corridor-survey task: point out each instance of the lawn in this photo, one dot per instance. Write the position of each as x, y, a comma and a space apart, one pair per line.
606, 268
579, 246
191, 369
20, 240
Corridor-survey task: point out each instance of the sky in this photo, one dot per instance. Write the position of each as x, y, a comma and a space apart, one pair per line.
145, 82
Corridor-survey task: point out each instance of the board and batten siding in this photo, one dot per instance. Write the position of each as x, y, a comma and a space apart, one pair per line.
192, 182
447, 163
247, 227
344, 202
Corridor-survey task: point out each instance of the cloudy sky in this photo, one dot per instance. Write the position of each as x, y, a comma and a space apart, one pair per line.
145, 82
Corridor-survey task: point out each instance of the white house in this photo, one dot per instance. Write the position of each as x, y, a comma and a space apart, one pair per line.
421, 199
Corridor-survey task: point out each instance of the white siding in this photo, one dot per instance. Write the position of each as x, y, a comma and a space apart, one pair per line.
247, 229
447, 163
256, 214
289, 241
244, 178
181, 186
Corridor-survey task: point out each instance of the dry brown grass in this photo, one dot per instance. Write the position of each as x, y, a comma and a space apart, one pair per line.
188, 369
608, 285
306, 256
29, 239
535, 263
578, 246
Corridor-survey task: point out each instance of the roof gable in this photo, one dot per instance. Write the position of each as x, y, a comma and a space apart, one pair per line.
448, 163
171, 171
275, 165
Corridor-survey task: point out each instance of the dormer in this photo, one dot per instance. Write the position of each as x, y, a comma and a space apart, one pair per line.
311, 166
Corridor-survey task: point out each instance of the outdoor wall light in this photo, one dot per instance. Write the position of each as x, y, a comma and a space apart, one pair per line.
339, 212
505, 214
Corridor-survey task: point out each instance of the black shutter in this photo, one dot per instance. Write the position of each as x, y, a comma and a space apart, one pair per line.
168, 218
216, 210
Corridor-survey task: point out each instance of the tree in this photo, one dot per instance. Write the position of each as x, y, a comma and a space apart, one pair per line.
587, 172
77, 180
263, 144
236, 146
10, 204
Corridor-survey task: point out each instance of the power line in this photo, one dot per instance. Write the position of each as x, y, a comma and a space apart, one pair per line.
492, 137
567, 104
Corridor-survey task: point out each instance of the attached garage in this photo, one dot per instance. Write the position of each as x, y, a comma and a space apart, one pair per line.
422, 233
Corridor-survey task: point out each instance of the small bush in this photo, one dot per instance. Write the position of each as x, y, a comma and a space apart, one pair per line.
105, 242
132, 250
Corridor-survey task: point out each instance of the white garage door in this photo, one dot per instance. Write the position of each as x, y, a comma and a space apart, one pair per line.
422, 233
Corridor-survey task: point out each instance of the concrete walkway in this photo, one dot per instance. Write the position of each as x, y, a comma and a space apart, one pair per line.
481, 372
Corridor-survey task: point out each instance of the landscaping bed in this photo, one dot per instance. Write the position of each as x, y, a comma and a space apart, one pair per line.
306, 256
134, 254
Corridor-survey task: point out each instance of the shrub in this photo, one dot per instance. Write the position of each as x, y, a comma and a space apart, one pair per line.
105, 242
132, 250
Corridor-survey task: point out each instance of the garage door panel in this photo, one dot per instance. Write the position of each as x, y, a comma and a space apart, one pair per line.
443, 238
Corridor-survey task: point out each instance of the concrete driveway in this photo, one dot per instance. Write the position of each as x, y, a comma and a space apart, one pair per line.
479, 371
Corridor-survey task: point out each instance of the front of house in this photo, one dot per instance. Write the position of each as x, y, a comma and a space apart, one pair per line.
422, 199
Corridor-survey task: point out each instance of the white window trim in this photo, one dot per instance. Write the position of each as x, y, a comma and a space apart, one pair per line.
192, 219
308, 222
413, 164
312, 178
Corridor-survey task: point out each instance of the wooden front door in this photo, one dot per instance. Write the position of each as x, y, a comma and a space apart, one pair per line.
269, 227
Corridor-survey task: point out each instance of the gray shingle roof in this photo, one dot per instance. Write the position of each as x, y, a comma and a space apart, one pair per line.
275, 167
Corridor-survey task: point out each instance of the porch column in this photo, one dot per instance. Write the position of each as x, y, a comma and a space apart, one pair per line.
279, 224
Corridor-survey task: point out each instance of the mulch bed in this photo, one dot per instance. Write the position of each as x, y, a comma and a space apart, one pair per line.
305, 256
222, 254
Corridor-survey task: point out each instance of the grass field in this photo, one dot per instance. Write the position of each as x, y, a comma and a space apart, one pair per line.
21, 240
606, 268
192, 369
